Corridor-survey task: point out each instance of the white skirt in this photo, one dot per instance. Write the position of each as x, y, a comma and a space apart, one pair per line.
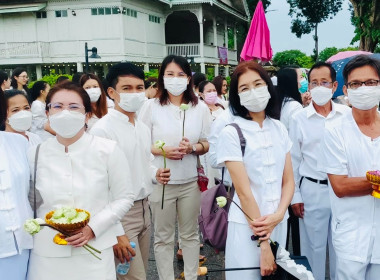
77, 267
242, 252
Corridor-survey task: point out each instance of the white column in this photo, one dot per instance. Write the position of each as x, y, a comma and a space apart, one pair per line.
216, 70
200, 20
227, 71
215, 28
235, 38
146, 67
39, 71
225, 33
79, 67
203, 68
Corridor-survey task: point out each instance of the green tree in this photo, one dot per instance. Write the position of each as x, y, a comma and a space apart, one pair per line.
366, 19
293, 57
327, 53
307, 14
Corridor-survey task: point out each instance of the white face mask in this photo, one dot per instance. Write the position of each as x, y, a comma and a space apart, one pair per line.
364, 98
94, 94
131, 102
21, 121
67, 123
175, 86
256, 99
321, 95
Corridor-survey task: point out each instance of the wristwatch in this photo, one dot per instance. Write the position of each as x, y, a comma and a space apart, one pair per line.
194, 149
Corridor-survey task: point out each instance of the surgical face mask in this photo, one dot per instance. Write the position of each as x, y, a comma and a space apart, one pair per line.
131, 102
321, 95
21, 121
176, 86
94, 94
211, 97
256, 99
67, 123
304, 86
364, 98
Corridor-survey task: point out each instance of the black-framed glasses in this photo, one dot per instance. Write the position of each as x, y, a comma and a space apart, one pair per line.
322, 84
357, 84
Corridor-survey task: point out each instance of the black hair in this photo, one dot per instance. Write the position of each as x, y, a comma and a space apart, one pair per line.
123, 69
198, 78
76, 77
3, 77
17, 72
272, 110
3, 110
360, 61
188, 95
321, 64
61, 79
203, 84
36, 89
287, 86
7, 95
218, 82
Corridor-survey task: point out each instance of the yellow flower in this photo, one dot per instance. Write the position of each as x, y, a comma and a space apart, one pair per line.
221, 201
184, 107
159, 144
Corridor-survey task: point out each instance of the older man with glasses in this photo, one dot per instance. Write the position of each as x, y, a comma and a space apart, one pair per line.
348, 151
311, 198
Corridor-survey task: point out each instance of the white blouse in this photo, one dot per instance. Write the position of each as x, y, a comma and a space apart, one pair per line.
93, 175
134, 141
14, 188
264, 161
165, 123
34, 139
289, 108
39, 120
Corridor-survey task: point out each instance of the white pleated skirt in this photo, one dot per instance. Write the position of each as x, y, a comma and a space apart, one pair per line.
77, 267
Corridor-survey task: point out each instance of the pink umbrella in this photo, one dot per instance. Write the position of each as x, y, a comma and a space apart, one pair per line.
257, 42
345, 54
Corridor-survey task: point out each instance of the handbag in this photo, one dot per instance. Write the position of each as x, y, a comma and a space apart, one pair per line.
202, 178
213, 220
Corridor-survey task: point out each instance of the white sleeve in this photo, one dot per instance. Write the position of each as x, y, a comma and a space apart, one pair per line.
228, 146
206, 121
122, 193
98, 131
39, 116
145, 114
333, 158
295, 152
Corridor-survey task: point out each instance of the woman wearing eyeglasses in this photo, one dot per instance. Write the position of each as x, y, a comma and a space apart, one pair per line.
185, 135
78, 170
20, 79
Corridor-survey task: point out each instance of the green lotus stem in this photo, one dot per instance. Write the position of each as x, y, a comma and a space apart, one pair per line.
96, 250
163, 185
183, 124
85, 246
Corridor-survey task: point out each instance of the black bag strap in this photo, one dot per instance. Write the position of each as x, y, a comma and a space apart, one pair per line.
35, 179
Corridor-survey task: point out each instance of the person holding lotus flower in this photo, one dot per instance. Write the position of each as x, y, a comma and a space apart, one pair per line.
262, 177
82, 171
182, 123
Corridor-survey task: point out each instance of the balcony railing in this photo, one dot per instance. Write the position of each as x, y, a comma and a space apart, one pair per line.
183, 49
32, 49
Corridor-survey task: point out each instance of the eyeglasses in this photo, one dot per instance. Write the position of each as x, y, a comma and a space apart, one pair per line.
59, 107
24, 77
357, 84
322, 84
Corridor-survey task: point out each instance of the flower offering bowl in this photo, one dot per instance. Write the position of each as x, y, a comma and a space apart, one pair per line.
67, 228
374, 178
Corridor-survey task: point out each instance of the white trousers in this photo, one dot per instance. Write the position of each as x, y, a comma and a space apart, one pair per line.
241, 251
315, 228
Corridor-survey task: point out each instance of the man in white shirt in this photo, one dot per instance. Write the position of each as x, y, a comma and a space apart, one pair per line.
348, 151
120, 124
311, 198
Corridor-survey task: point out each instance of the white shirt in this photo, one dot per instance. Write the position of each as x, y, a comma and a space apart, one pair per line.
34, 139
289, 108
347, 151
264, 161
39, 120
165, 123
93, 175
306, 131
223, 102
134, 141
91, 122
14, 188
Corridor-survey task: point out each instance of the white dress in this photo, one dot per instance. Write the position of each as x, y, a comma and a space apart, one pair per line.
39, 120
93, 175
264, 161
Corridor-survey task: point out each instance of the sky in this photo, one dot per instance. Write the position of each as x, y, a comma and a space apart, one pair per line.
337, 32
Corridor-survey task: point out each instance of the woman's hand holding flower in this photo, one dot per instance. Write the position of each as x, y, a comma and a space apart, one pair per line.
264, 225
185, 145
81, 238
174, 153
267, 263
163, 175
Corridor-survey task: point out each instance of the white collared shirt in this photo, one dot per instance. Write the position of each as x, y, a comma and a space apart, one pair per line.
345, 150
34, 139
289, 108
14, 188
306, 131
134, 141
165, 123
93, 175
264, 161
39, 120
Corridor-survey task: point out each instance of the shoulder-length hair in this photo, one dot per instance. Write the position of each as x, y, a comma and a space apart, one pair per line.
237, 109
287, 86
101, 105
188, 95
70, 86
17, 72
218, 82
